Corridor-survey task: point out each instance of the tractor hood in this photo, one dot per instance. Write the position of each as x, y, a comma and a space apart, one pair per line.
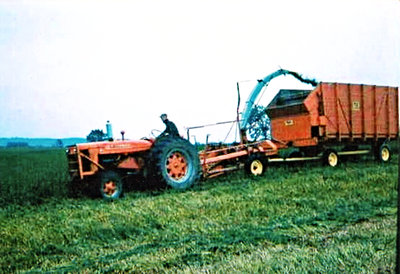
107, 147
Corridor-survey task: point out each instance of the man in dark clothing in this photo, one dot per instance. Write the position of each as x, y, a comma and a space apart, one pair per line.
171, 129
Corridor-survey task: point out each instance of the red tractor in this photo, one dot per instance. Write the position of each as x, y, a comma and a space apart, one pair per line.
166, 161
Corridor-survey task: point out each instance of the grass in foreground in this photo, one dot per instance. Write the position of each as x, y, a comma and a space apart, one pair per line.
306, 218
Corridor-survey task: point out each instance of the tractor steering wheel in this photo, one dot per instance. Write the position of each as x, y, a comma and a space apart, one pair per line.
155, 133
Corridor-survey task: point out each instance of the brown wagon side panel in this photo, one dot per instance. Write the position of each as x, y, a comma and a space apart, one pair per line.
343, 111
356, 114
381, 112
360, 111
394, 112
330, 109
368, 110
292, 128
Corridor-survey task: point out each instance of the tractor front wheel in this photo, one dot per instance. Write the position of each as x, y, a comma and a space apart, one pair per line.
110, 185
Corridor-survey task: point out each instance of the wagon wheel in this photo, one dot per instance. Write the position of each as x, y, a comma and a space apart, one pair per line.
383, 153
331, 158
110, 185
255, 165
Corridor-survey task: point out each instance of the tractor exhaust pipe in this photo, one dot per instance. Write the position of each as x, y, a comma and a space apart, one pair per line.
109, 131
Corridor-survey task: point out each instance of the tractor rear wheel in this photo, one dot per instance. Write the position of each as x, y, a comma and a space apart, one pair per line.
174, 162
255, 165
110, 185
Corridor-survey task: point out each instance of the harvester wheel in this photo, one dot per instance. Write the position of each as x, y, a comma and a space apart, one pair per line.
174, 162
255, 165
331, 158
383, 153
110, 185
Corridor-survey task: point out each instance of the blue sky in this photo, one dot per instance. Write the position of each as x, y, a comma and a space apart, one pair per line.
67, 67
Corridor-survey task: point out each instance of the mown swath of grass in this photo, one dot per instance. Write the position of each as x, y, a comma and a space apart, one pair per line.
293, 219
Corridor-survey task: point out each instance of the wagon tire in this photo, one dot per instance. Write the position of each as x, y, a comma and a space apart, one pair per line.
331, 158
255, 165
383, 153
173, 162
110, 185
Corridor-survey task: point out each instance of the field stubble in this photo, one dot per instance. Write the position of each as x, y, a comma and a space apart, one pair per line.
292, 219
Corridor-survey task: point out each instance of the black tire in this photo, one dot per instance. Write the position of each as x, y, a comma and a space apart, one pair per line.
110, 187
383, 153
174, 162
255, 165
331, 158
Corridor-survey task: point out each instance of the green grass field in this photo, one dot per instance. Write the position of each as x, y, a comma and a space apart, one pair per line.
306, 218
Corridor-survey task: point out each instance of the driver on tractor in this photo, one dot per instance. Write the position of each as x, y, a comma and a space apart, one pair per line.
170, 130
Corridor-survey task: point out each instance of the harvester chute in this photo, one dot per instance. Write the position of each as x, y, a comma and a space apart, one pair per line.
259, 87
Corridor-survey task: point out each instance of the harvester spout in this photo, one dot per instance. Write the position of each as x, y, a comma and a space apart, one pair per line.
256, 92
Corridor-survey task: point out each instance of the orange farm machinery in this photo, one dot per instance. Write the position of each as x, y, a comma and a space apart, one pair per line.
328, 122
